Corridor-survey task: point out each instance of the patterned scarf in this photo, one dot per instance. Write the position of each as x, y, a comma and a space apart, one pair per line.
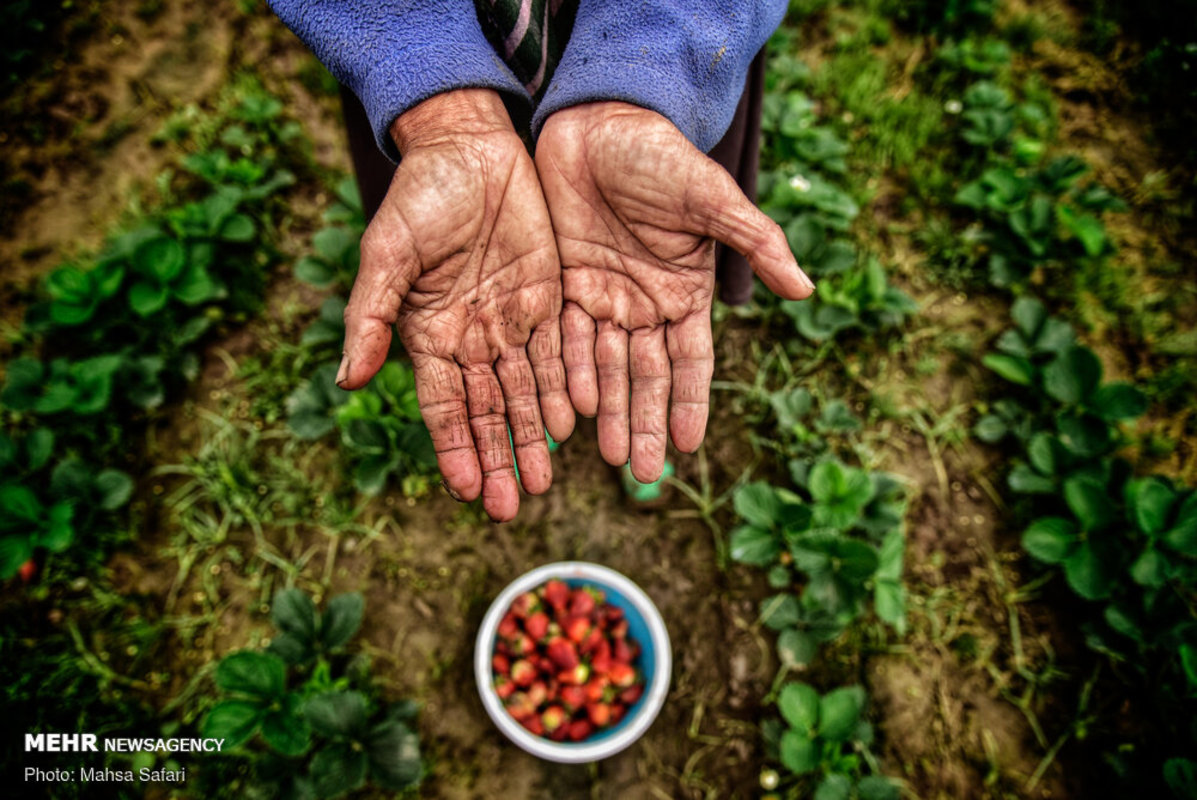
530, 35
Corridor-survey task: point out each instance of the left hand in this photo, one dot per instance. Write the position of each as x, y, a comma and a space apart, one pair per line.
636, 211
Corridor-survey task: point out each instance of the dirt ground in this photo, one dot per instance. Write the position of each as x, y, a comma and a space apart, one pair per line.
942, 695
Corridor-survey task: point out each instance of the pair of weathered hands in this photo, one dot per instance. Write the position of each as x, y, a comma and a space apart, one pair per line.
475, 247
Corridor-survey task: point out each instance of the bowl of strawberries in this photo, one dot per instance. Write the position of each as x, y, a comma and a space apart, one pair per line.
573, 662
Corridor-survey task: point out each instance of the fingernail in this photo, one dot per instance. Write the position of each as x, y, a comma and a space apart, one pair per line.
806, 281
451, 493
343, 371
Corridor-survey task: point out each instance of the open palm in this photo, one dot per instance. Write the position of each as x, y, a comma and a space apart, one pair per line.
461, 259
636, 210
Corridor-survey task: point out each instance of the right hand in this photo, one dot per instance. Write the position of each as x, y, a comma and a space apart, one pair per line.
461, 258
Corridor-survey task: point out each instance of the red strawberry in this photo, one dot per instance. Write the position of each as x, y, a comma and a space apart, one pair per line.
621, 651
504, 688
553, 718
537, 625
617, 712
601, 662
594, 689
599, 714
576, 676
619, 630
576, 628
580, 729
28, 571
546, 665
612, 614
563, 653
622, 675
630, 695
508, 626
523, 673
522, 644
561, 734
574, 697
500, 664
525, 604
556, 594
519, 706
591, 641
533, 724
538, 693
581, 603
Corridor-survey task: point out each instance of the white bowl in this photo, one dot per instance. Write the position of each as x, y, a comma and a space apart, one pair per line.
655, 661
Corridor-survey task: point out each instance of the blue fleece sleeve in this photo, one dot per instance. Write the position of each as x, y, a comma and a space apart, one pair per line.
685, 59
395, 53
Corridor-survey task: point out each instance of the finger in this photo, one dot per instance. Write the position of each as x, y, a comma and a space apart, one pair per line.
611, 362
692, 358
544, 351
442, 399
488, 423
389, 264
650, 402
523, 414
577, 333
717, 208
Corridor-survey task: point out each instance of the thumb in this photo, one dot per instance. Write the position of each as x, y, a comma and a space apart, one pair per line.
717, 208
389, 265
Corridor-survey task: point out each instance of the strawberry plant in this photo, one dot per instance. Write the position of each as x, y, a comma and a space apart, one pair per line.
324, 736
827, 737
46, 508
844, 545
858, 299
381, 429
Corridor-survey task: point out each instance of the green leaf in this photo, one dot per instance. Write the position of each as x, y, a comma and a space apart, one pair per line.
146, 298
394, 753
195, 286
1150, 502
1188, 662
333, 244
1086, 227
232, 720
889, 601
291, 648
1024, 480
1028, 314
337, 769
990, 429
835, 786
286, 731
798, 752
756, 546
757, 503
1045, 453
780, 611
1073, 376
1118, 401
114, 488
15, 550
160, 259
877, 787
1150, 569
1049, 539
1181, 776
1087, 573
839, 711
341, 619
248, 672
293, 612
799, 706
827, 481
315, 272
1084, 434
39, 446
238, 228
796, 648
1090, 502
1183, 536
338, 715
19, 503
58, 533
1012, 368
